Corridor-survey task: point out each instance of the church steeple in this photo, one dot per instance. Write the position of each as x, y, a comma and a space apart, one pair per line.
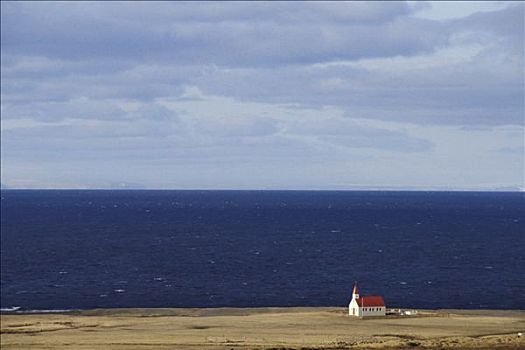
355, 292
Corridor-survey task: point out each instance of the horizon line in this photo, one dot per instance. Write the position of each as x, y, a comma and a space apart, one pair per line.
375, 189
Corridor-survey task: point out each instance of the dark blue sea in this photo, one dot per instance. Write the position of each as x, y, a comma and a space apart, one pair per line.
104, 249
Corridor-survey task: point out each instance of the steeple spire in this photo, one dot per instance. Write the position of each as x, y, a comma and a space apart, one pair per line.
355, 292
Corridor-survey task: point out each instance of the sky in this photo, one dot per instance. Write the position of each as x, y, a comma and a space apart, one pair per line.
262, 95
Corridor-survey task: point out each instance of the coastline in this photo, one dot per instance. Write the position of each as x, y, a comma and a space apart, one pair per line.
262, 328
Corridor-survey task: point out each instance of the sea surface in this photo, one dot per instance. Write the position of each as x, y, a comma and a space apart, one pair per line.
63, 250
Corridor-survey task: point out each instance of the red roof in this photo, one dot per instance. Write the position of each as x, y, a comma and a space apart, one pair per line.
370, 301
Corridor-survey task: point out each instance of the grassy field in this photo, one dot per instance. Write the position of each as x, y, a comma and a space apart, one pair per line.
261, 328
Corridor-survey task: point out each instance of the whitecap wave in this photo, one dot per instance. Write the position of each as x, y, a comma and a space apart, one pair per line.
16, 309
10, 309
50, 311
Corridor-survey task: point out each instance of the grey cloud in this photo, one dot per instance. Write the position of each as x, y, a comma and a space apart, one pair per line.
348, 134
293, 33
140, 82
486, 89
43, 67
392, 141
154, 112
236, 126
163, 13
239, 139
89, 110
49, 111
473, 92
147, 142
83, 132
507, 23
88, 82
512, 150
69, 144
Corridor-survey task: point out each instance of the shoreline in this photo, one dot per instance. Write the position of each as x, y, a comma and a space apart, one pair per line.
235, 309
262, 328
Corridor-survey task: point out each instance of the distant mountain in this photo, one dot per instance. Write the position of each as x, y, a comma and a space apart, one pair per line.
126, 186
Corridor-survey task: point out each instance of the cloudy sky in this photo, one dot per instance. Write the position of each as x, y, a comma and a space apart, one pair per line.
286, 95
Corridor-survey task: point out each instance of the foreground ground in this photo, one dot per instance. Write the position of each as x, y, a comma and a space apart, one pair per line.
264, 328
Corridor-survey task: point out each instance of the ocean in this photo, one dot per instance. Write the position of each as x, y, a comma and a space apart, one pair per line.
69, 249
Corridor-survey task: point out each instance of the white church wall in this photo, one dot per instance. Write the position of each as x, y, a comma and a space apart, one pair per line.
373, 311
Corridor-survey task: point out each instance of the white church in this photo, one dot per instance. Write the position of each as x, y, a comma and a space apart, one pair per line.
366, 306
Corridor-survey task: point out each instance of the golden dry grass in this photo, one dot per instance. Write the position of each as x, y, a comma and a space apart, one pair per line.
261, 328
